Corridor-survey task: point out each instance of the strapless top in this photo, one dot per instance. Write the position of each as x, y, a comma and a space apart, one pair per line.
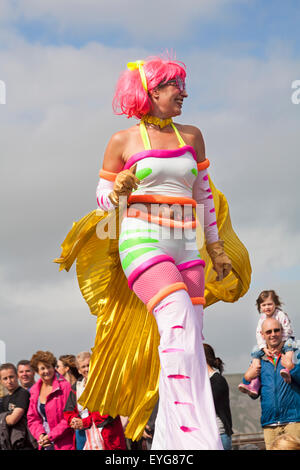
165, 172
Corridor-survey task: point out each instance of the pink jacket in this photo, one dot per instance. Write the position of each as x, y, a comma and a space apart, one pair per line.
60, 433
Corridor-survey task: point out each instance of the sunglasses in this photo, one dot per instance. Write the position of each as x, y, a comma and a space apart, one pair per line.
177, 81
275, 330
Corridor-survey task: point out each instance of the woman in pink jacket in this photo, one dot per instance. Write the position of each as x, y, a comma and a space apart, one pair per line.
48, 397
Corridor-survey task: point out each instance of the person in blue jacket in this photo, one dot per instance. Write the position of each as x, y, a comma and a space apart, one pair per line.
280, 400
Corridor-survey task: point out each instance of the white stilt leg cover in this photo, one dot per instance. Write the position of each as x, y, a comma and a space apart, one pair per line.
186, 417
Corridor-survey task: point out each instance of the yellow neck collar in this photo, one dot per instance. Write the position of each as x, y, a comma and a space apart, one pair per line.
157, 121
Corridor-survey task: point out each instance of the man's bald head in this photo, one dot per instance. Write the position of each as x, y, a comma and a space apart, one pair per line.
271, 331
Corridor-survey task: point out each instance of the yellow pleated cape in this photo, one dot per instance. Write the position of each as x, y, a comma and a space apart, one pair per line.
124, 369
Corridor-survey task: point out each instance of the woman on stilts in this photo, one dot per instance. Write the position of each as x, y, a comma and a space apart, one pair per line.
160, 169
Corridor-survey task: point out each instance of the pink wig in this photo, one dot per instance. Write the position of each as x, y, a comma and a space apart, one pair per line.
131, 98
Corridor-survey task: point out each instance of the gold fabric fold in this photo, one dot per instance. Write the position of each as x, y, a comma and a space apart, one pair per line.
237, 283
124, 369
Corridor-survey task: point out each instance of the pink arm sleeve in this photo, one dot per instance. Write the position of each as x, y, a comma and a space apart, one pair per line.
58, 430
203, 195
58, 405
104, 188
34, 420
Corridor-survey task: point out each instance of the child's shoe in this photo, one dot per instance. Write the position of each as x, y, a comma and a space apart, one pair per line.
285, 374
252, 388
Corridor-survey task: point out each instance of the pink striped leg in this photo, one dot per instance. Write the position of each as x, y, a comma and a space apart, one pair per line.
194, 278
186, 417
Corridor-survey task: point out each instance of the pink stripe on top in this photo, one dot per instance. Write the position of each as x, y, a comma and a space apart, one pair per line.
159, 154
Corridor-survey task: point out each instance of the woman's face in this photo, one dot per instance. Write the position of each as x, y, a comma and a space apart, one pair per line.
83, 367
61, 369
168, 99
46, 371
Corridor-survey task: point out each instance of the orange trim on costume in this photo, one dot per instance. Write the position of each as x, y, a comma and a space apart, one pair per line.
155, 219
198, 300
108, 175
163, 293
203, 165
160, 199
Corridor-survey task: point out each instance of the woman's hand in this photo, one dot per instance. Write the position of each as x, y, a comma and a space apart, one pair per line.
124, 183
76, 423
221, 262
44, 440
147, 434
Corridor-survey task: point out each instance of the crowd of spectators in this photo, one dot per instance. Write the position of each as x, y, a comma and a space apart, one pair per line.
40, 409
44, 413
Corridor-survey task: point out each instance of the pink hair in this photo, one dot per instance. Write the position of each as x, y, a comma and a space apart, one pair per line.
130, 96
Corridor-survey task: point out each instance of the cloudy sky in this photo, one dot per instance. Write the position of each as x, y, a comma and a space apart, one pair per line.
59, 62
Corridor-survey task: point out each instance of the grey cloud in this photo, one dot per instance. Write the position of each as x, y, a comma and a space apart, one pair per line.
94, 15
54, 129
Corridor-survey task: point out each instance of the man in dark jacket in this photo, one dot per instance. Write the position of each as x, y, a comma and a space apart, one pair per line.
14, 433
280, 400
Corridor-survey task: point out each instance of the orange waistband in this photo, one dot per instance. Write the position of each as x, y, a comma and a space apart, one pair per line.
155, 219
160, 199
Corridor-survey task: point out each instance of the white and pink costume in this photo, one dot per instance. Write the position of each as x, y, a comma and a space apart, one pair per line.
161, 261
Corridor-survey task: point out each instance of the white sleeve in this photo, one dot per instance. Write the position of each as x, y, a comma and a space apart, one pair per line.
286, 325
104, 188
203, 195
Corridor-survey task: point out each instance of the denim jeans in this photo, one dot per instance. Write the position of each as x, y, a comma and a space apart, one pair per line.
80, 438
226, 441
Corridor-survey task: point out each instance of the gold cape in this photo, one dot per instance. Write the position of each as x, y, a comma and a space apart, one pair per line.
124, 369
